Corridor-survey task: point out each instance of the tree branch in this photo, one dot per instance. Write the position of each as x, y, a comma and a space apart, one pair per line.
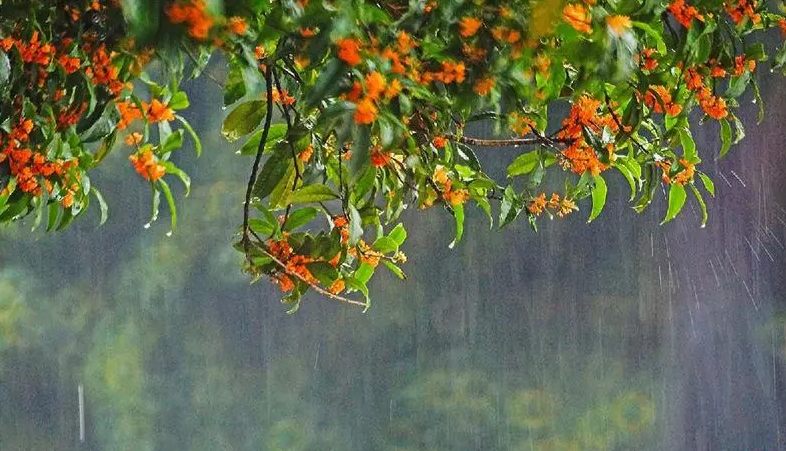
316, 287
255, 168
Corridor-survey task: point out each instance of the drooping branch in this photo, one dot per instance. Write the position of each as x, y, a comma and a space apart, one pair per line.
255, 168
290, 273
510, 142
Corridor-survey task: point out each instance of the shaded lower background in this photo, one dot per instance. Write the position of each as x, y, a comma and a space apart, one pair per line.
617, 335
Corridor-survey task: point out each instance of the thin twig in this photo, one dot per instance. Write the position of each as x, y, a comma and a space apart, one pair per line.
512, 142
316, 287
260, 149
285, 110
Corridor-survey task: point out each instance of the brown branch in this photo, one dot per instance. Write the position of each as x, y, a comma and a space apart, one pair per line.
316, 287
255, 168
512, 142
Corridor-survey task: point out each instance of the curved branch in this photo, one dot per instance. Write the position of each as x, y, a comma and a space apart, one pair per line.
255, 168
512, 142
316, 287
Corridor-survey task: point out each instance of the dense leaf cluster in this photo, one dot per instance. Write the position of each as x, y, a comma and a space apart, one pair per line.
353, 111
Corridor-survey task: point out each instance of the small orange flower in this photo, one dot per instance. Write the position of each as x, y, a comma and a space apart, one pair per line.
469, 26
159, 112
619, 24
484, 86
306, 153
537, 205
147, 165
133, 139
439, 142
238, 25
375, 85
337, 286
684, 14
366, 112
349, 51
578, 16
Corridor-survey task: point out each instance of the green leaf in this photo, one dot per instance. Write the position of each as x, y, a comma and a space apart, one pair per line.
355, 225
398, 234
312, 193
385, 244
235, 87
170, 200
101, 205
725, 132
274, 169
458, 215
323, 271
702, 205
654, 34
394, 269
357, 285
688, 146
599, 192
327, 83
244, 119
179, 101
173, 141
300, 217
181, 174
677, 196
629, 178
709, 185
192, 133
524, 164
277, 133
5, 70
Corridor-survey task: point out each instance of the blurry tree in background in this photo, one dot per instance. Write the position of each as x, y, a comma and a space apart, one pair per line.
353, 111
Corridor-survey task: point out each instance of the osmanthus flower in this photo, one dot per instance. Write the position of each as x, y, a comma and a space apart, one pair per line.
349, 51
684, 13
159, 112
658, 98
469, 26
194, 15
146, 164
484, 86
578, 16
619, 24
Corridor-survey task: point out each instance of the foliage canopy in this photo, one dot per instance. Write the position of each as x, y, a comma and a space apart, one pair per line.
351, 111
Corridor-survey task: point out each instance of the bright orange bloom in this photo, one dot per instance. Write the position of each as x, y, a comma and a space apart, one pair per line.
147, 165
742, 10
133, 139
619, 24
366, 112
578, 16
661, 101
686, 175
337, 286
469, 26
306, 153
537, 205
714, 106
439, 142
393, 89
238, 25
158, 112
685, 13
194, 14
566, 206
375, 85
379, 158
349, 51
484, 86
69, 64
129, 112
